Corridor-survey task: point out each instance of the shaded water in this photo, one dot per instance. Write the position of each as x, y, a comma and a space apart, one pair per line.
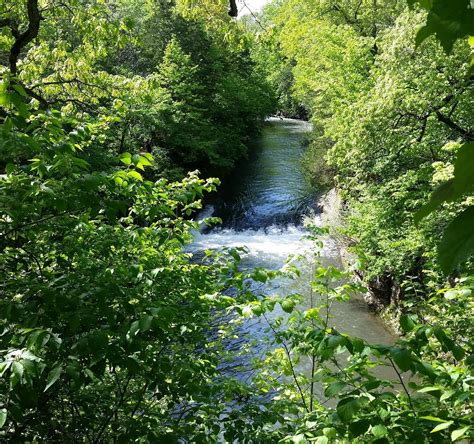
269, 188
262, 208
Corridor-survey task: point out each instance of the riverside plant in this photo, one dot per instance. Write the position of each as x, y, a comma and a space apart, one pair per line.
325, 385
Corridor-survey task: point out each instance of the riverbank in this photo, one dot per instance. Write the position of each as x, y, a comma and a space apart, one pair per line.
332, 216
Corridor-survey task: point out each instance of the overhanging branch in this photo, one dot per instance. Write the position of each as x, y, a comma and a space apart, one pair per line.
454, 126
22, 39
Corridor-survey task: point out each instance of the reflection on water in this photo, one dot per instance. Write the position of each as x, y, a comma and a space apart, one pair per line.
269, 189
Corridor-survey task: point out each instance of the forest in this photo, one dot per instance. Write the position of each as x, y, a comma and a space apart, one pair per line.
120, 123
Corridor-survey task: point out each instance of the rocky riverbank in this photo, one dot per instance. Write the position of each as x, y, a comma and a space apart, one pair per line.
383, 295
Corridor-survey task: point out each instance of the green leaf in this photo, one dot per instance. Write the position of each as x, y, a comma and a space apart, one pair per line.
3, 417
17, 369
464, 170
288, 305
19, 104
132, 364
429, 389
443, 193
334, 388
447, 394
135, 159
442, 426
456, 434
134, 328
257, 309
407, 323
135, 174
432, 418
148, 156
90, 373
145, 323
422, 34
379, 430
336, 340
4, 98
20, 90
457, 244
235, 254
260, 275
358, 428
448, 20
458, 352
462, 183
330, 432
347, 408
126, 158
144, 160
402, 358
53, 376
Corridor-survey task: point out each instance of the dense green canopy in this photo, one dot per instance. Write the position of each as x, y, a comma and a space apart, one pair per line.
111, 332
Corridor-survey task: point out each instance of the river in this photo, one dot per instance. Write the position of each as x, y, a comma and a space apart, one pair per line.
262, 208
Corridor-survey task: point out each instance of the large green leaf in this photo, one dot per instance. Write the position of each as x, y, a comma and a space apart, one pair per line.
443, 193
407, 323
53, 376
358, 428
456, 434
464, 170
448, 20
457, 244
18, 369
442, 426
402, 358
334, 388
460, 185
379, 430
347, 408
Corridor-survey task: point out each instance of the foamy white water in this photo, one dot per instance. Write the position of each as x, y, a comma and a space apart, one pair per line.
270, 246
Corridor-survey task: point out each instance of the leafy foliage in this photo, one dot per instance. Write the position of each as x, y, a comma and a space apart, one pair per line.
390, 115
101, 305
396, 115
448, 21
106, 329
332, 387
110, 331
171, 86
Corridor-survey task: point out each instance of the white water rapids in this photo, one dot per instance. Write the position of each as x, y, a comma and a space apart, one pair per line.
262, 208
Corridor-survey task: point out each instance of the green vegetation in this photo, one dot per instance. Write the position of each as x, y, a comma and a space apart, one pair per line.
391, 111
104, 325
111, 332
345, 396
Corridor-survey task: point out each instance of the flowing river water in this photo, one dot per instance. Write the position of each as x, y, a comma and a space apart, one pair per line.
262, 208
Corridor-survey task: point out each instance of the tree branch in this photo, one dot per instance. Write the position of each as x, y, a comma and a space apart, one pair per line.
468, 135
34, 19
233, 10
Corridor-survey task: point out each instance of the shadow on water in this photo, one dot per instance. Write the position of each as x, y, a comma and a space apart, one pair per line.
268, 189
